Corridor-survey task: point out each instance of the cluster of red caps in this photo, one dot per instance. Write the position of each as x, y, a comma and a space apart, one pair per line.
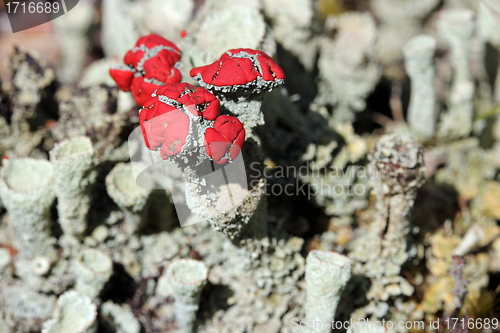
169, 108
166, 122
153, 62
240, 68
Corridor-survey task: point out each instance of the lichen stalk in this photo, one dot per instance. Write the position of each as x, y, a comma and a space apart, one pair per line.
457, 28
327, 274
33, 82
27, 191
118, 31
71, 30
121, 316
458, 121
397, 164
187, 278
92, 269
246, 109
243, 75
419, 64
73, 162
131, 198
242, 215
5, 260
488, 22
348, 71
75, 313
399, 21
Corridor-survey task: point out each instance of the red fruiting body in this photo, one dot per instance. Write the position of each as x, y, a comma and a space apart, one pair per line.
169, 57
156, 68
204, 102
198, 100
123, 78
227, 135
152, 63
132, 58
166, 127
153, 136
164, 119
142, 90
176, 130
183, 34
153, 40
165, 123
239, 67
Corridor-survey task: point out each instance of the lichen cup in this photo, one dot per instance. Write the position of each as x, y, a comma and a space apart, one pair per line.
75, 313
327, 274
27, 192
73, 162
187, 278
93, 269
131, 198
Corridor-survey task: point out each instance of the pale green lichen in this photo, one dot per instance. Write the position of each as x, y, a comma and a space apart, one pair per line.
131, 198
248, 29
121, 316
74, 174
488, 21
71, 31
75, 313
27, 191
348, 70
291, 22
397, 171
327, 274
5, 260
255, 253
400, 21
187, 279
20, 307
419, 64
93, 269
457, 27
